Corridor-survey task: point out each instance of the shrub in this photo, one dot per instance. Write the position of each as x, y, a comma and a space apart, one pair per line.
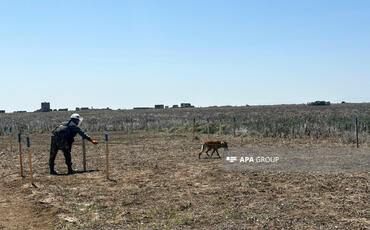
318, 103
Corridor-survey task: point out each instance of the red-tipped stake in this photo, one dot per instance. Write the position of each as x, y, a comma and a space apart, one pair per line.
29, 160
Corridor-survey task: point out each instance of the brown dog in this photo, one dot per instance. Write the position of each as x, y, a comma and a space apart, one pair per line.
214, 145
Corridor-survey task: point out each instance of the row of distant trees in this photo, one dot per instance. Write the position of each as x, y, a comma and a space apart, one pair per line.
317, 103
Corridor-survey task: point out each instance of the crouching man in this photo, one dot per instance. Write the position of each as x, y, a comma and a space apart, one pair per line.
63, 138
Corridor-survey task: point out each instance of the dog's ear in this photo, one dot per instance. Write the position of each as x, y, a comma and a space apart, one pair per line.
222, 142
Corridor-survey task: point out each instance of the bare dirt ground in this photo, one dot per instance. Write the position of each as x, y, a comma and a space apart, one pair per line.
159, 183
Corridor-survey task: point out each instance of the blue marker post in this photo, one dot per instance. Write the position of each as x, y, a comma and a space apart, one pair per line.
20, 153
30, 161
106, 156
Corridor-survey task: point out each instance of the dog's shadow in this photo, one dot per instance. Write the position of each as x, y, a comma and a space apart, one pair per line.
78, 172
211, 158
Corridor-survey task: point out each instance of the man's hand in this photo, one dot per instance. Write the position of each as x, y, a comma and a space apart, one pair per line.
95, 142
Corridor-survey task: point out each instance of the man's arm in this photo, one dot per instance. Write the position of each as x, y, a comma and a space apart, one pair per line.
77, 129
84, 135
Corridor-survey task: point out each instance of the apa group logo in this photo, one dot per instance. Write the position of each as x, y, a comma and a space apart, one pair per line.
231, 159
250, 159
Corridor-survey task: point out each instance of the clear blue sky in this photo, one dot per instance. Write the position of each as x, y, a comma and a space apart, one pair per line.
123, 54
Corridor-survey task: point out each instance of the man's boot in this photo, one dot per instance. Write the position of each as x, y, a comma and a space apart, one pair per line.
52, 171
70, 169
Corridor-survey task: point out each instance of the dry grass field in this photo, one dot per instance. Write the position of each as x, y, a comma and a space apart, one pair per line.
158, 182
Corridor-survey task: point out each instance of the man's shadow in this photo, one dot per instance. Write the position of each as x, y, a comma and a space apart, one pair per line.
77, 172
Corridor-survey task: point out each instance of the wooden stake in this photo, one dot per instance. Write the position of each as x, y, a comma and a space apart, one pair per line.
193, 128
11, 139
106, 156
83, 154
234, 126
20, 154
208, 127
356, 128
11, 142
30, 161
220, 128
5, 142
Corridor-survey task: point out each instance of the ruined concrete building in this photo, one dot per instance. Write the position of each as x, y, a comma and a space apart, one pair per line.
45, 107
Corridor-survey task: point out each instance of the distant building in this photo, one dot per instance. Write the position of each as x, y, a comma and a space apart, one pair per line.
186, 105
175, 106
2, 111
63, 110
84, 108
166, 107
45, 107
142, 108
20, 112
77, 108
159, 106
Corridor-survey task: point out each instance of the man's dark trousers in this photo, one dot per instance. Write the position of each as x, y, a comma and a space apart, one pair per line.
60, 144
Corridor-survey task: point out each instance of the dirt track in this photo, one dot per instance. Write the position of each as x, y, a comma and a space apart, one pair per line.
160, 184
19, 212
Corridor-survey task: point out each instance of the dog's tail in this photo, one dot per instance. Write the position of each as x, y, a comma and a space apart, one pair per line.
201, 150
